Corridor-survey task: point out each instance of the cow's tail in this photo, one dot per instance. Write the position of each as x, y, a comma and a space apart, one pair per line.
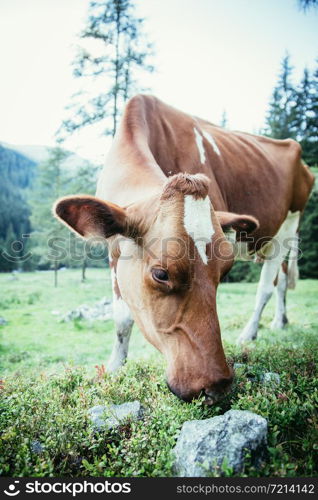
293, 271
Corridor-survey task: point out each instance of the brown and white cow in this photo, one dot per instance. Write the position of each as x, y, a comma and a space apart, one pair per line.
177, 200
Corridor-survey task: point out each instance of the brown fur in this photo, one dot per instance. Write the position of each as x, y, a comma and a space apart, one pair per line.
254, 175
195, 185
243, 224
113, 265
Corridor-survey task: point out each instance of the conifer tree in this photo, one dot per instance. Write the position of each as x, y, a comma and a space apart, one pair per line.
306, 4
281, 120
310, 140
51, 183
113, 52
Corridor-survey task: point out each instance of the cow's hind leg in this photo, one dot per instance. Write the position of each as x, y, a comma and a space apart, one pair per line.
280, 320
275, 255
123, 323
264, 292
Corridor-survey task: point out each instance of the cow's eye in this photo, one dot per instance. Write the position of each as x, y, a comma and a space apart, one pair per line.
160, 275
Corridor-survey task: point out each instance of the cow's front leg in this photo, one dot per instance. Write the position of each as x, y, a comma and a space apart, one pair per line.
123, 324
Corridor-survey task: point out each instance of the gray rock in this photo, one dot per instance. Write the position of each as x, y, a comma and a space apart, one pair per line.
112, 416
203, 445
36, 447
102, 310
239, 367
3, 321
271, 379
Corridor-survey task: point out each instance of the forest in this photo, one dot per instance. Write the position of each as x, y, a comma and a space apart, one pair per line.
31, 239
28, 190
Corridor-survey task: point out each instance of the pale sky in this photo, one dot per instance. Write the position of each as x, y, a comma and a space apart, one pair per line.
211, 55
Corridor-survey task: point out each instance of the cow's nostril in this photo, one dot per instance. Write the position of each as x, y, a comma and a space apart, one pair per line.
218, 390
184, 395
223, 384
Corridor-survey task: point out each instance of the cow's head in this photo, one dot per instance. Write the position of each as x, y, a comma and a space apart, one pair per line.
172, 253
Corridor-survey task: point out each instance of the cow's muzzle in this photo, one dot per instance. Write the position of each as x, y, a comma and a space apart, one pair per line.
213, 392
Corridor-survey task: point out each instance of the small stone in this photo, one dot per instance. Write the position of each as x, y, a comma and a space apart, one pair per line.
3, 321
239, 367
112, 416
102, 310
270, 379
36, 447
203, 445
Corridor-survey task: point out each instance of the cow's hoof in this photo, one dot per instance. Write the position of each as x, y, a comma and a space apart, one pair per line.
114, 366
279, 324
246, 336
249, 333
243, 340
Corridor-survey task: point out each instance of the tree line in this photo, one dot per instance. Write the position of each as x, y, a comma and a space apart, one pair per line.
293, 110
30, 238
118, 57
17, 174
112, 57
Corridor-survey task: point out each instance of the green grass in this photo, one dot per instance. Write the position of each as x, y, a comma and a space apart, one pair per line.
36, 340
50, 381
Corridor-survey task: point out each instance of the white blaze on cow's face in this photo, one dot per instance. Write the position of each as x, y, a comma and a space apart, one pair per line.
198, 223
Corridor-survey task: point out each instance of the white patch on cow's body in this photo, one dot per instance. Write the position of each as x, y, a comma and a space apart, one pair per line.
198, 223
274, 254
199, 141
211, 140
123, 322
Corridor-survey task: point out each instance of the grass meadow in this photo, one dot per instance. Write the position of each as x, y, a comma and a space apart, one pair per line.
52, 372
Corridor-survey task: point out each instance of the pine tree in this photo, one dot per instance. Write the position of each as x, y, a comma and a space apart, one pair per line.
303, 106
120, 51
308, 264
281, 120
9, 257
303, 100
84, 182
306, 4
310, 142
224, 120
51, 183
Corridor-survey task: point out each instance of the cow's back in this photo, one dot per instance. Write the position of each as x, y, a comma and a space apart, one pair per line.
249, 174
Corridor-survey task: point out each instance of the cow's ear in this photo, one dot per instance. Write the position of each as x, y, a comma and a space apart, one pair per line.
242, 224
88, 216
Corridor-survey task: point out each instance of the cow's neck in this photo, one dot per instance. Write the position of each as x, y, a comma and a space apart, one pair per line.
131, 173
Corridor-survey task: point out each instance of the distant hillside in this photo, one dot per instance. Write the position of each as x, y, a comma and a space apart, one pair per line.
38, 154
17, 173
